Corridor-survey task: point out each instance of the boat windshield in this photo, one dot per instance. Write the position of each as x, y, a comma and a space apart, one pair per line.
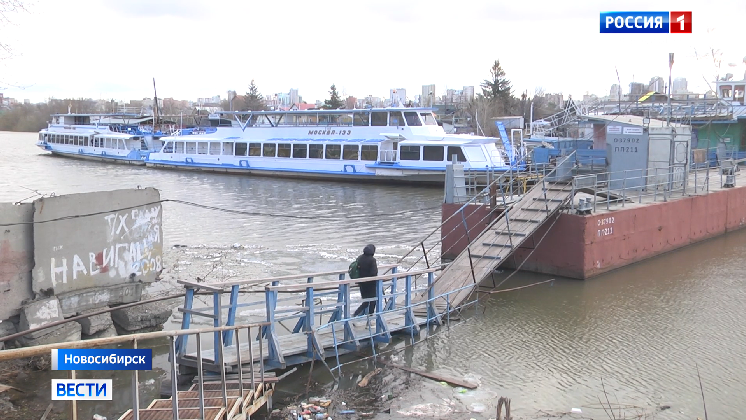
428, 118
412, 119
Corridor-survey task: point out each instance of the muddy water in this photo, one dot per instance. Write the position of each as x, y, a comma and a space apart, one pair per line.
642, 330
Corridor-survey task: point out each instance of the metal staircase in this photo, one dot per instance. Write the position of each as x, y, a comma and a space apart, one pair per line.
501, 238
568, 115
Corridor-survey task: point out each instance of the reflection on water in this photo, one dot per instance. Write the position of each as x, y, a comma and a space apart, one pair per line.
641, 329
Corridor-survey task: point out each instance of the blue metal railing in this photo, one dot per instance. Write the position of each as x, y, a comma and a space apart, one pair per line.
398, 297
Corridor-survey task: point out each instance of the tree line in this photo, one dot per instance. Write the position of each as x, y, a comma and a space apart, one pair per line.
34, 117
495, 100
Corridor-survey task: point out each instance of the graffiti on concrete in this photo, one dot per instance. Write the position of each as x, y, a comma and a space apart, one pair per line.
132, 248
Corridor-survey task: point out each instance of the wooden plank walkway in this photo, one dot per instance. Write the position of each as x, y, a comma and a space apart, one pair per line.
486, 252
297, 345
254, 397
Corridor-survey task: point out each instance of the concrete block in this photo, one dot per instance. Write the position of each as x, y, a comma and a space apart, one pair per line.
109, 332
95, 323
16, 257
99, 297
38, 313
111, 248
150, 315
6, 328
59, 334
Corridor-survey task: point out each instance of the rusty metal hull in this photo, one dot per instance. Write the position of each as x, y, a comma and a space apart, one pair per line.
582, 247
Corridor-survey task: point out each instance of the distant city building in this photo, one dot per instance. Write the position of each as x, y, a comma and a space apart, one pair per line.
657, 84
428, 96
680, 85
451, 94
615, 91
468, 93
294, 97
636, 90
398, 95
555, 98
589, 98
206, 102
351, 102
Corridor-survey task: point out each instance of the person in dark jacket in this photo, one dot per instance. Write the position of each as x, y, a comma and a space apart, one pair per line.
367, 267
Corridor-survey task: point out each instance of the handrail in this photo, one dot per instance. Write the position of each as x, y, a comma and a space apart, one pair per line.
304, 286
219, 286
46, 348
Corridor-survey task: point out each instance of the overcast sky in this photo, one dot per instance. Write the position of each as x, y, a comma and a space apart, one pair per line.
194, 48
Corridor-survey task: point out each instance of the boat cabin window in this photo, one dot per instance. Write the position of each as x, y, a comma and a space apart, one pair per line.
369, 152
412, 119
474, 153
361, 119
283, 150
202, 148
433, 153
191, 148
333, 151
395, 119
409, 153
241, 149
455, 150
179, 147
214, 148
268, 150
350, 152
228, 148
300, 151
255, 149
378, 118
329, 119
428, 118
315, 151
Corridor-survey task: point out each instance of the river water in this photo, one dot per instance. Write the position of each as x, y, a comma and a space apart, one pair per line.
643, 330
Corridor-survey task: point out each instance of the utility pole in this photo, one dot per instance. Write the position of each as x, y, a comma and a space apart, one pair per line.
670, 91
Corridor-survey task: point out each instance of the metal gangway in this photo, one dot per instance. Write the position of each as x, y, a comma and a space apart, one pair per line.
310, 316
519, 220
307, 317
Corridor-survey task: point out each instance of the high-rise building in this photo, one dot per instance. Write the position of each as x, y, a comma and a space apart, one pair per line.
294, 96
680, 85
397, 96
428, 95
636, 90
468, 93
615, 91
657, 84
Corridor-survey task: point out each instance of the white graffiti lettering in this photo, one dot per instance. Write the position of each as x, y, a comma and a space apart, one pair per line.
132, 246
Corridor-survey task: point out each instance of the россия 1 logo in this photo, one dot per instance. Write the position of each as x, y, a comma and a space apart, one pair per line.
646, 22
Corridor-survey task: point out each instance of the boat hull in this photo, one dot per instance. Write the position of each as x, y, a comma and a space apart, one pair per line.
434, 178
99, 158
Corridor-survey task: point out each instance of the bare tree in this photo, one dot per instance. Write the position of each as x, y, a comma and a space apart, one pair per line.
7, 8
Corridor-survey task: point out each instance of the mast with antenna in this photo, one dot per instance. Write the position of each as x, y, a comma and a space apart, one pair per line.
155, 106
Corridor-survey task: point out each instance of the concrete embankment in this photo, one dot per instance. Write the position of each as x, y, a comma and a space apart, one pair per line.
73, 255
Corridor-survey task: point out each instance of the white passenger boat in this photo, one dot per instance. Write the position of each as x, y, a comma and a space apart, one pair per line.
120, 138
393, 144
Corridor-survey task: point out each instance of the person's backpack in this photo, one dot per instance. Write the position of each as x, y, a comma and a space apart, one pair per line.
354, 270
